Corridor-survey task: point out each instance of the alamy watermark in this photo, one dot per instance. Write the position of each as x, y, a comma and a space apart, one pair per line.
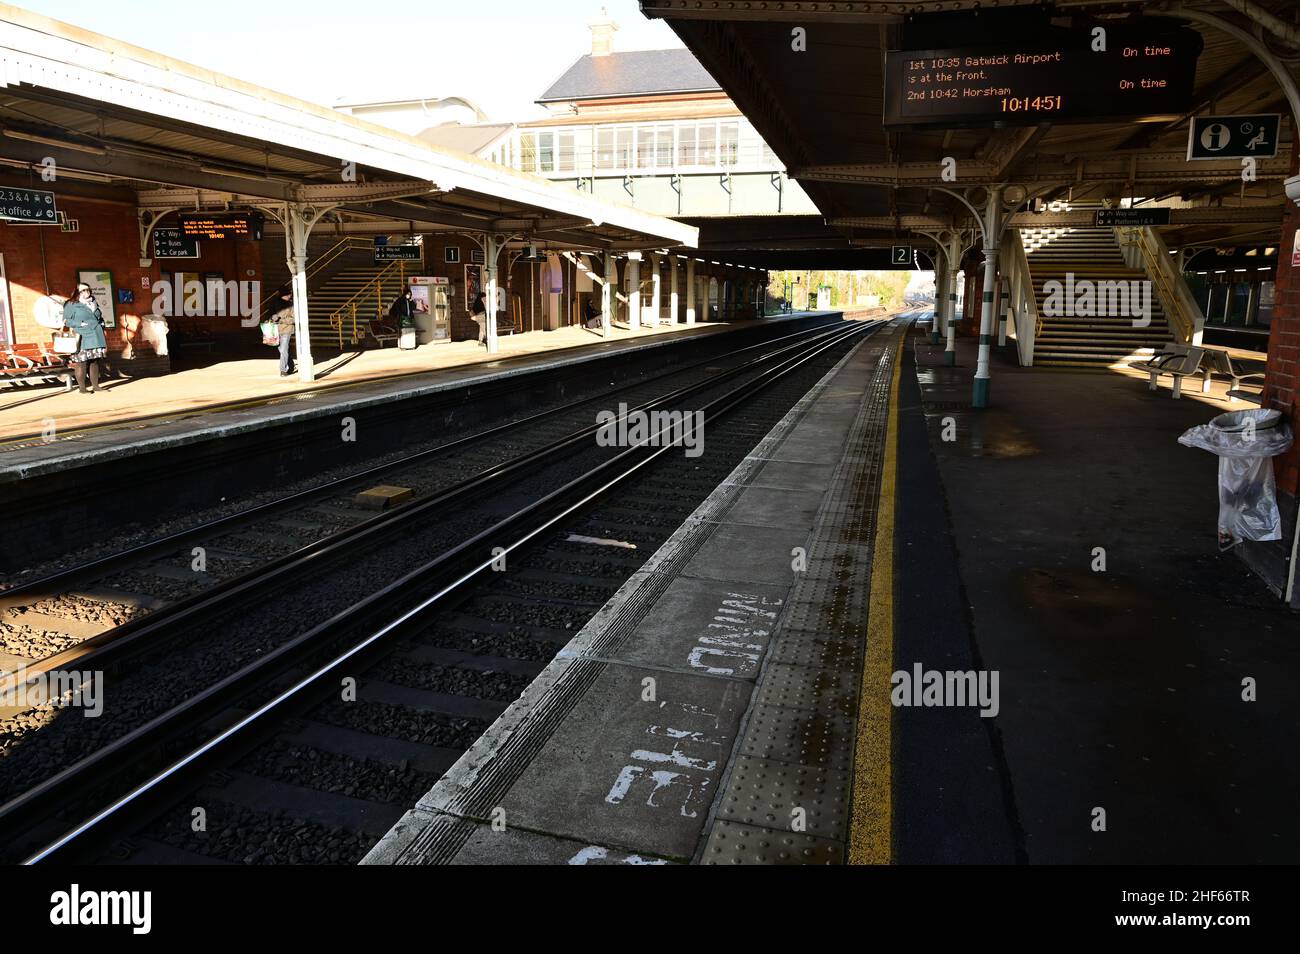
83, 690
1086, 298
211, 297
933, 688
628, 428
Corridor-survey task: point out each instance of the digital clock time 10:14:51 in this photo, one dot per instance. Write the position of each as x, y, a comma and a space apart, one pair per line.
1030, 104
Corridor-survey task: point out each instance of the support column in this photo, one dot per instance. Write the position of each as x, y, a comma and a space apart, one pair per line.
634, 291
607, 294
1005, 312
491, 247
672, 289
940, 296
690, 290
656, 289
950, 319
300, 218
992, 232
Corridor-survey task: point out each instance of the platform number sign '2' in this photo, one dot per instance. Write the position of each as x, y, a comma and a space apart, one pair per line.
900, 255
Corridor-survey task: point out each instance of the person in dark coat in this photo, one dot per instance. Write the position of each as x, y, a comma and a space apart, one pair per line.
403, 310
82, 315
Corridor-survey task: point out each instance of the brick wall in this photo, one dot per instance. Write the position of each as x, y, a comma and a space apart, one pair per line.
107, 239
1282, 384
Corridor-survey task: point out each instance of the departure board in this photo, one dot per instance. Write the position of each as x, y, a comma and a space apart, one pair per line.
216, 226
1060, 79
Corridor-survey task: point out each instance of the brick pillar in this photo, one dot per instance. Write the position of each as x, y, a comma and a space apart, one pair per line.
1282, 383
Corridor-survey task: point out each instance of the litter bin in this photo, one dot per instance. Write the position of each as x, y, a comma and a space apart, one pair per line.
1244, 442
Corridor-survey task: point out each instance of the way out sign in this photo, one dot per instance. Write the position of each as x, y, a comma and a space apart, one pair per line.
900, 255
1233, 137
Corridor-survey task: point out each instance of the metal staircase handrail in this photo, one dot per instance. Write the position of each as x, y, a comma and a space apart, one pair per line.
345, 244
349, 308
1028, 322
1154, 259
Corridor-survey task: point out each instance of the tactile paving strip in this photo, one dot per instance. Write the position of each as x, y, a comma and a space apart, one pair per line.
782, 796
800, 737
807, 687
733, 844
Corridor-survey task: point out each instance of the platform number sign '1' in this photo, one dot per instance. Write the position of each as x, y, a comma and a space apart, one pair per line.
900, 255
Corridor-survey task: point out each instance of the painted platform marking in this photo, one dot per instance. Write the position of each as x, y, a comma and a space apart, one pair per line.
736, 637
693, 750
595, 855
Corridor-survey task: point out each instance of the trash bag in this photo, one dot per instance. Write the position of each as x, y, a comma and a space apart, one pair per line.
1244, 442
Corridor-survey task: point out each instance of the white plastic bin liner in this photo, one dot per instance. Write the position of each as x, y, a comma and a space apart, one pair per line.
1245, 441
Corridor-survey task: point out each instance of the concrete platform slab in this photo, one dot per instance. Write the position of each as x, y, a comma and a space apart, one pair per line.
668, 723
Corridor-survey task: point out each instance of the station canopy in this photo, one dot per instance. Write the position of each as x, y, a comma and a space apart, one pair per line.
823, 111
172, 136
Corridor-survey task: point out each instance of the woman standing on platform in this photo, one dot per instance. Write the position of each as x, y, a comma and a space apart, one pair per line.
81, 314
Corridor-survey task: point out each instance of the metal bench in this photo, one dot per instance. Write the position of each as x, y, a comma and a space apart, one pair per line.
1177, 361
28, 361
1223, 363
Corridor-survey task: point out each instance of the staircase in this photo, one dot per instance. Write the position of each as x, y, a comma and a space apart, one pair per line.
339, 271
1087, 342
372, 287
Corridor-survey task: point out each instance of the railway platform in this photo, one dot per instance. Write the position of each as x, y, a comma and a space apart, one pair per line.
47, 427
770, 709
163, 461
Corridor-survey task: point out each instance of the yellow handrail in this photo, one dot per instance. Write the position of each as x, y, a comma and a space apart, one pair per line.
1159, 270
346, 244
377, 286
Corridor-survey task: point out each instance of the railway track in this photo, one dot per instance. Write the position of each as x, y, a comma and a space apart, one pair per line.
54, 621
438, 653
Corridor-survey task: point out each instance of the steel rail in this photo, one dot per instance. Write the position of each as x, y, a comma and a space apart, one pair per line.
552, 508
114, 561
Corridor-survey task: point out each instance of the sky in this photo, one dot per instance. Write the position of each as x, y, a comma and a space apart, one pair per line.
499, 53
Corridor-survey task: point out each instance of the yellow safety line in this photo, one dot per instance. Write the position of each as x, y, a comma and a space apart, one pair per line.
871, 826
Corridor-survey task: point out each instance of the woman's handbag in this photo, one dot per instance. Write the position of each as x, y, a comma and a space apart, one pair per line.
67, 342
270, 333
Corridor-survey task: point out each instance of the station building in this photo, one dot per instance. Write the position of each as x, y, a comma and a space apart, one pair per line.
119, 145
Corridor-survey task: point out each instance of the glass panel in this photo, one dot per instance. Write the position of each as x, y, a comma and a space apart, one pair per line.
1265, 314
623, 157
605, 158
708, 145
645, 147
664, 152
729, 144
546, 151
567, 158
528, 152
686, 146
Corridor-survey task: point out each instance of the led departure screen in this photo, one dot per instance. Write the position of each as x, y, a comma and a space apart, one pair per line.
1058, 79
245, 225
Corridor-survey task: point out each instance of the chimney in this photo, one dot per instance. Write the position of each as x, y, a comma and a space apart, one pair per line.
602, 34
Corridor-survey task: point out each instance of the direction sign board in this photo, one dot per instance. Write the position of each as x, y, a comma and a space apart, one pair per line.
1110, 217
170, 243
398, 253
1233, 137
900, 255
28, 205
